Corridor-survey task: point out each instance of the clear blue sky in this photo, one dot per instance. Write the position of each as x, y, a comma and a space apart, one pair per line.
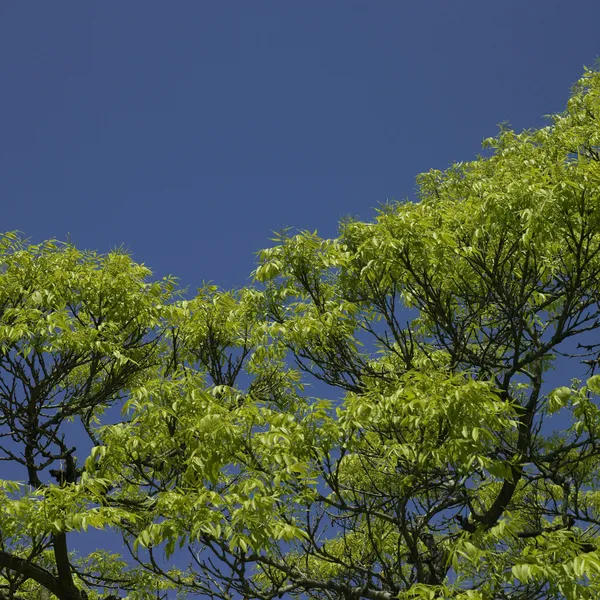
188, 131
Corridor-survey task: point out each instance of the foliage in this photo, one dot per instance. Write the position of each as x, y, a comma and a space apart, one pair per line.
77, 331
372, 418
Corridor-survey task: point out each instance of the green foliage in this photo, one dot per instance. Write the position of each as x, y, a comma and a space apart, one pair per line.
77, 331
370, 419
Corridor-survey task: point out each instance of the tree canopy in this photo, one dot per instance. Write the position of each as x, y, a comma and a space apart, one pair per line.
371, 418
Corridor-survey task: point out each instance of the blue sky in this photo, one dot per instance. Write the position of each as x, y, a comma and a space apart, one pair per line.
188, 131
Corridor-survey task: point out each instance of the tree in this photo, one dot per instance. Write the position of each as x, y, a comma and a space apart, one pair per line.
77, 330
423, 461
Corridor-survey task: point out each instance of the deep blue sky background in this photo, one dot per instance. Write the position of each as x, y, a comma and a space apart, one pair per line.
188, 131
